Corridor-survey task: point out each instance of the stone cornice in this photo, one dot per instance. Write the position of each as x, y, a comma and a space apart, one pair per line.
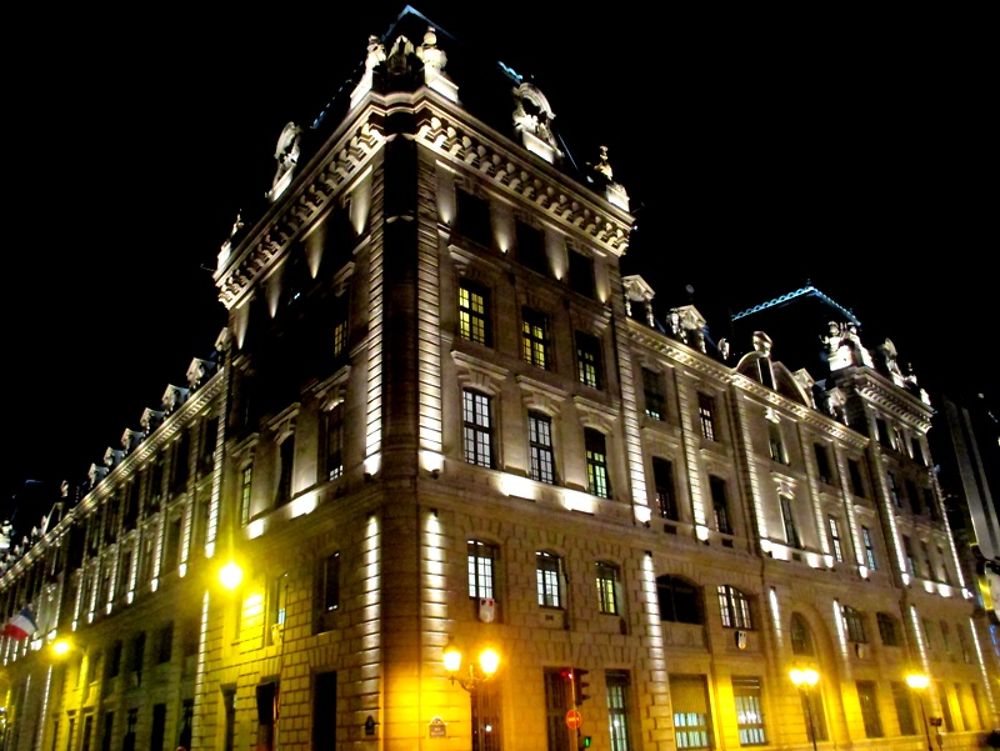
464, 140
875, 388
706, 366
339, 162
154, 443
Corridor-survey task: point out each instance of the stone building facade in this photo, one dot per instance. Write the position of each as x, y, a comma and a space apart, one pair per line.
439, 415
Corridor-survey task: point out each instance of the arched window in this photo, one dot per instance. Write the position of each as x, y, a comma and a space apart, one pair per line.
734, 607
801, 636
680, 600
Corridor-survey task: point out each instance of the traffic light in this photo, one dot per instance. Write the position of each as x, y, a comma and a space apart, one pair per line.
580, 680
586, 741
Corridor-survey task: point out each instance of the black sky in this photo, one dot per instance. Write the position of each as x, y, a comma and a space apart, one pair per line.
760, 150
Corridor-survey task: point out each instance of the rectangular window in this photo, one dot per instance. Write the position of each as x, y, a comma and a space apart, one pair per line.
882, 430
229, 727
340, 335
720, 504
776, 445
286, 456
115, 659
749, 711
333, 442
477, 430
913, 496
159, 730
888, 630
277, 608
165, 643
581, 273
812, 703
904, 708
932, 510
788, 520
246, 484
557, 689
868, 699
857, 483
689, 696
617, 684
663, 480
547, 574
138, 654
106, 732
652, 389
607, 588
866, 537
942, 692
944, 575
325, 710
597, 463
946, 637
854, 625
179, 459
534, 338
588, 360
171, 558
481, 567
473, 313
911, 561
531, 248
543, 465
209, 436
897, 498
823, 463
734, 608
838, 548
473, 217
331, 582
706, 414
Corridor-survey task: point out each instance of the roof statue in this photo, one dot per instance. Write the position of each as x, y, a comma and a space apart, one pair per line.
286, 154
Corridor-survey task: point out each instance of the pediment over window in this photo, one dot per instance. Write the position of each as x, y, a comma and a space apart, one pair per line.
541, 396
174, 397
595, 415
688, 325
198, 370
96, 473
131, 439
151, 419
787, 384
479, 374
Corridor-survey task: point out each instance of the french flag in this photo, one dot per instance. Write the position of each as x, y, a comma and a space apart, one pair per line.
21, 626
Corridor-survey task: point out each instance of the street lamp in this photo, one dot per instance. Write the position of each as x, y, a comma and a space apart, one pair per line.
804, 680
477, 672
919, 682
231, 576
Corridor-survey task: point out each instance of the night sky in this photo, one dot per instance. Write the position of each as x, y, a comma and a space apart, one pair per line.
759, 151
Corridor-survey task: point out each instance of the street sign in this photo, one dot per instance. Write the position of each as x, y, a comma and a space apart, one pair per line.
574, 719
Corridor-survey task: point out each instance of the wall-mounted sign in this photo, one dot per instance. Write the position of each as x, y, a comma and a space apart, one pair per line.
437, 728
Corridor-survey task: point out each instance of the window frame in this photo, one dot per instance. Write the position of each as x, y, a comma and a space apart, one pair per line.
836, 542
654, 395
748, 698
676, 590
535, 338
706, 417
469, 316
598, 473
608, 577
477, 429
734, 608
548, 580
866, 538
853, 621
589, 362
481, 569
541, 451
792, 538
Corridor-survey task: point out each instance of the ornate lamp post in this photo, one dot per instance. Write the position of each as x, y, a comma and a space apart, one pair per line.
471, 678
804, 680
919, 682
